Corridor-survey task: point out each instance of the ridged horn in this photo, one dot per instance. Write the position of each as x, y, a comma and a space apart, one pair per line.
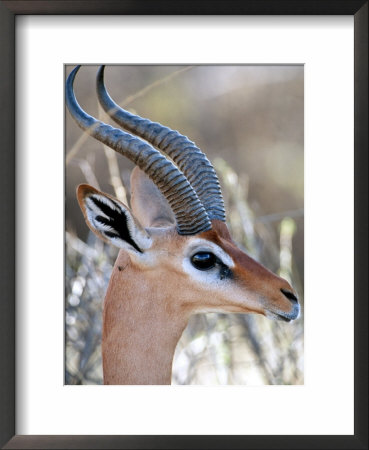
189, 158
190, 214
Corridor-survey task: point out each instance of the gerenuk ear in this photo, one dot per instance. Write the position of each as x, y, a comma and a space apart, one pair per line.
111, 220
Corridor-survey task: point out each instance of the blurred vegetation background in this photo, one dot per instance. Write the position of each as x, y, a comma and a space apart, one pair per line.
249, 122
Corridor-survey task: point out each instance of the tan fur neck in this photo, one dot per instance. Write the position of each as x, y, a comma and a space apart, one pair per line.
140, 328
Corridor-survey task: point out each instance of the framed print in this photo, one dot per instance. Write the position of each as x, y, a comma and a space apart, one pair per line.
325, 45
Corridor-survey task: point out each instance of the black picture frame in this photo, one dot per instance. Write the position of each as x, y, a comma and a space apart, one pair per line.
8, 282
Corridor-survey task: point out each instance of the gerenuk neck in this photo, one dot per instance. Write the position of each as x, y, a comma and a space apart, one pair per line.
140, 329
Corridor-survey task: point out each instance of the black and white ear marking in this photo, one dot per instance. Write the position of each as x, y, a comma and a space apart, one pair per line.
112, 220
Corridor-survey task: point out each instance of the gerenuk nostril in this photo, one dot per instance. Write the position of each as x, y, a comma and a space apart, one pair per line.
291, 297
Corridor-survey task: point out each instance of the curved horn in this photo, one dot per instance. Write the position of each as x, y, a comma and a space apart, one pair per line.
189, 158
190, 214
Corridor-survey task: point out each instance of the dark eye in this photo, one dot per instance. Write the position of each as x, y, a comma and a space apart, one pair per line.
203, 260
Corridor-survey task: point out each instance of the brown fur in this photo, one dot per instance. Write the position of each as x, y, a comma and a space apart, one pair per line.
150, 296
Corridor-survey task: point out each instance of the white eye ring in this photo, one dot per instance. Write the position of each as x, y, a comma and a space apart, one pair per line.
198, 245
